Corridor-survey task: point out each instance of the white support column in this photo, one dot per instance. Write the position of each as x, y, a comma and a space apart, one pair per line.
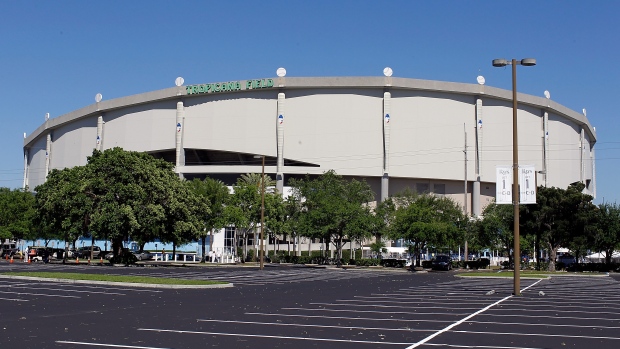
593, 173
476, 209
99, 140
582, 148
25, 169
180, 121
48, 153
280, 141
545, 148
385, 179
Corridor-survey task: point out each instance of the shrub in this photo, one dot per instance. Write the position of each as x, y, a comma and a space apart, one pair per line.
560, 266
393, 263
367, 262
484, 263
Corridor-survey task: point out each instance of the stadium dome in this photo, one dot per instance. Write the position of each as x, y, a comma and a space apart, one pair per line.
396, 133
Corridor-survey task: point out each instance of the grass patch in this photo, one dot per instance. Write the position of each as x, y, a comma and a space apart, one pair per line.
115, 278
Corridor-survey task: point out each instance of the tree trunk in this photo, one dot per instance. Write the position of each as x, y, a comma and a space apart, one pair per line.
339, 251
537, 252
553, 253
211, 240
326, 255
204, 249
608, 255
245, 245
174, 250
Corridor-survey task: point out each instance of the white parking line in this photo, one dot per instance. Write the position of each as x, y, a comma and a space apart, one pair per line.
475, 346
380, 306
550, 317
14, 299
536, 334
436, 313
407, 329
39, 294
76, 291
545, 324
448, 328
353, 318
108, 345
267, 336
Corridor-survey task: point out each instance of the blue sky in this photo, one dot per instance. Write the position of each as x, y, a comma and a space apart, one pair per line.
57, 55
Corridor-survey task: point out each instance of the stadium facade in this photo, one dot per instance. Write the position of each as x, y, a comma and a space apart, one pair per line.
430, 136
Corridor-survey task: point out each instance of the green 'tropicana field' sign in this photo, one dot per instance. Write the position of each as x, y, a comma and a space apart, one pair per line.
229, 86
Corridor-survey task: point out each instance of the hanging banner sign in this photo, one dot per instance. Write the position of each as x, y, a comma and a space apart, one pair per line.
527, 184
503, 185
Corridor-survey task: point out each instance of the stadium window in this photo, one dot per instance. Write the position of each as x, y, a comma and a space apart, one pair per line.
422, 188
439, 189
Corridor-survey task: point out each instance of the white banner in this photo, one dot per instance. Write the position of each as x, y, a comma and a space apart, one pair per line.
527, 184
503, 185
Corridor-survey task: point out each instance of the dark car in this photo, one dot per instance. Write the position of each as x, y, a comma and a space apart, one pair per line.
442, 263
8, 249
84, 252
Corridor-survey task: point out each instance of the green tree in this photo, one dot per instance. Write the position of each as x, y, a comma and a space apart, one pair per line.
63, 208
215, 195
377, 248
244, 212
277, 218
17, 210
560, 216
334, 208
426, 220
138, 196
607, 236
496, 228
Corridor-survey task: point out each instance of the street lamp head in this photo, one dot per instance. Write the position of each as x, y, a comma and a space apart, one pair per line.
528, 61
501, 62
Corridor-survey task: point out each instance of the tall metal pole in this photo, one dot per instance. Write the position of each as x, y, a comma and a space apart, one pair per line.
262, 217
465, 190
515, 182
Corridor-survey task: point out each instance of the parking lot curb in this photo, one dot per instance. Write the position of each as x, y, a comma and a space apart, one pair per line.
111, 283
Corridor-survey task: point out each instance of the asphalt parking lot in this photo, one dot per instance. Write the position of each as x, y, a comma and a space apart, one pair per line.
284, 307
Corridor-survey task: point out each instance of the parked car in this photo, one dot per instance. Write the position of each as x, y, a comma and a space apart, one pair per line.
442, 262
39, 253
143, 256
84, 252
8, 249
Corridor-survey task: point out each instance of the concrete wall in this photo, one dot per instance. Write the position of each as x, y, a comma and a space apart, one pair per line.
337, 124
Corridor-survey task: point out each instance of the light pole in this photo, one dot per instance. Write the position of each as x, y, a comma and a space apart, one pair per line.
262, 214
515, 163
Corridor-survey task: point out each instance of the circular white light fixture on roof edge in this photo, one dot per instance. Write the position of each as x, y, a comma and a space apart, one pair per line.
98, 97
179, 81
281, 72
547, 94
480, 80
387, 71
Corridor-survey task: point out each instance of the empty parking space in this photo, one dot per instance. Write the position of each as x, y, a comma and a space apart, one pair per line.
307, 308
